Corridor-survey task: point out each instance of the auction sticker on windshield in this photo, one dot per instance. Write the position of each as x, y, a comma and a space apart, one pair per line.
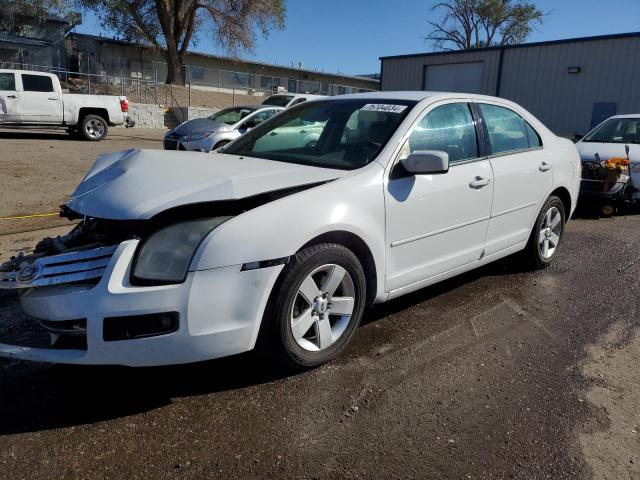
383, 107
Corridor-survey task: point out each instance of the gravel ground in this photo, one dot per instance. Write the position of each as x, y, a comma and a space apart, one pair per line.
490, 375
499, 374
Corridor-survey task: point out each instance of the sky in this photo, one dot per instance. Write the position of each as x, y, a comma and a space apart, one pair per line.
349, 36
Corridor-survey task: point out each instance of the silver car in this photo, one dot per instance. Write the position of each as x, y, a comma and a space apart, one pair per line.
211, 133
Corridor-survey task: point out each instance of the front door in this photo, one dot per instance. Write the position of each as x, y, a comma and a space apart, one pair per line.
438, 223
39, 102
9, 98
522, 177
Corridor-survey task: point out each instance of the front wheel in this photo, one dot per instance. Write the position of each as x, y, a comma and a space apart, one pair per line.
316, 306
220, 144
546, 235
94, 127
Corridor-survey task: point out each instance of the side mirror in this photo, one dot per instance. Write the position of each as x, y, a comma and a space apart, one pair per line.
249, 124
577, 137
426, 161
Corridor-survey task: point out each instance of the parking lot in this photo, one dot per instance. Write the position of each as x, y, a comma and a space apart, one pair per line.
499, 373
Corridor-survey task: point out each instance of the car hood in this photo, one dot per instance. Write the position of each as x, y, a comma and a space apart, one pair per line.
606, 151
199, 125
138, 184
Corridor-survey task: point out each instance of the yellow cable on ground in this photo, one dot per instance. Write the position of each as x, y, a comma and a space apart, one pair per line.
37, 215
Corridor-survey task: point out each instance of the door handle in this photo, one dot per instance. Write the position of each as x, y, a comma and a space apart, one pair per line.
54, 98
273, 134
544, 166
303, 131
12, 96
479, 182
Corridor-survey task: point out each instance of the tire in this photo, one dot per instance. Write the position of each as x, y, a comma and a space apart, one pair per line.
305, 333
94, 128
608, 210
221, 143
546, 235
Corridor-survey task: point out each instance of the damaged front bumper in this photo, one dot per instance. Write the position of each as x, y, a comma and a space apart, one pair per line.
217, 312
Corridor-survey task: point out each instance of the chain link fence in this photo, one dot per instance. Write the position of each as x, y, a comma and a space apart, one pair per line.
142, 86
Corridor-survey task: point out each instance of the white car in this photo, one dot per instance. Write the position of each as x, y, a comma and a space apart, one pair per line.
215, 131
181, 261
35, 99
611, 139
287, 100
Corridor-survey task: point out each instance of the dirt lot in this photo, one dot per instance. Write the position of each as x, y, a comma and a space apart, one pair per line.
39, 169
499, 373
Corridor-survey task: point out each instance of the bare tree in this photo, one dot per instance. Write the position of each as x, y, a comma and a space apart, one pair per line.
482, 23
172, 25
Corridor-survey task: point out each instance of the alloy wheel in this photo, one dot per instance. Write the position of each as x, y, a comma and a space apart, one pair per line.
322, 307
95, 128
550, 232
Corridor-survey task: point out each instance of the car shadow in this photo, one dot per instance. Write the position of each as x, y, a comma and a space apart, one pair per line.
36, 397
36, 135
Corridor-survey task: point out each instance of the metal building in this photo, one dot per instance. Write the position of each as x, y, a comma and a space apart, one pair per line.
571, 85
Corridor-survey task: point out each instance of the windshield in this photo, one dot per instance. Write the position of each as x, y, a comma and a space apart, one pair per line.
278, 100
344, 134
616, 130
232, 115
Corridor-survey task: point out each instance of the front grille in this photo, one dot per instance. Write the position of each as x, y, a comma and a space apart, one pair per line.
77, 266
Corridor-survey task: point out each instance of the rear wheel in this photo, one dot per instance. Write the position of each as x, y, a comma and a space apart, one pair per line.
546, 235
317, 306
94, 127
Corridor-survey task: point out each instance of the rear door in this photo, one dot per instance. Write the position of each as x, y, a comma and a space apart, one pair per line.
9, 98
522, 176
39, 101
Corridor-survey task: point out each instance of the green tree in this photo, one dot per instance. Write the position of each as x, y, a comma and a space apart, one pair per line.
482, 23
172, 25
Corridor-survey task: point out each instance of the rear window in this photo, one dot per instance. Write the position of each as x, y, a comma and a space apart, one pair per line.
7, 82
278, 100
36, 83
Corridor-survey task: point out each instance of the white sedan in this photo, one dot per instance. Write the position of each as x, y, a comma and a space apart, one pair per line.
286, 245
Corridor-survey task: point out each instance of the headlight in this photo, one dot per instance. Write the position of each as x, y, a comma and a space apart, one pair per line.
197, 136
165, 256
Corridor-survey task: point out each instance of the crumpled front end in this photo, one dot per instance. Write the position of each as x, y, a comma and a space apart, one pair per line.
78, 288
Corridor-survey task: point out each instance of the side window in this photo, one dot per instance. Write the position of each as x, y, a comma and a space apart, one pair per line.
534, 138
262, 116
36, 83
7, 82
507, 129
299, 100
448, 128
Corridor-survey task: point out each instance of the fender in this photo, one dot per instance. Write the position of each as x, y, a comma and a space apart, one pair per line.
353, 203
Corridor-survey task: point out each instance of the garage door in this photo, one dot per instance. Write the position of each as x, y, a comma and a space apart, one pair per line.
454, 77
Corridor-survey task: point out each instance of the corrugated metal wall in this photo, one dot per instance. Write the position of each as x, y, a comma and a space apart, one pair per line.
537, 77
407, 73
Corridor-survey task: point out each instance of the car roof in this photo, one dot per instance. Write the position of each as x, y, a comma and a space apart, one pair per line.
418, 96
10, 70
630, 115
257, 106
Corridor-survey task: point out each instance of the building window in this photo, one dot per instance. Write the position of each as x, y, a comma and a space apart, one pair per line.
197, 73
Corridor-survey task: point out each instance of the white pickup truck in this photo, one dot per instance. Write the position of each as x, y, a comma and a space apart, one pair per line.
35, 99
